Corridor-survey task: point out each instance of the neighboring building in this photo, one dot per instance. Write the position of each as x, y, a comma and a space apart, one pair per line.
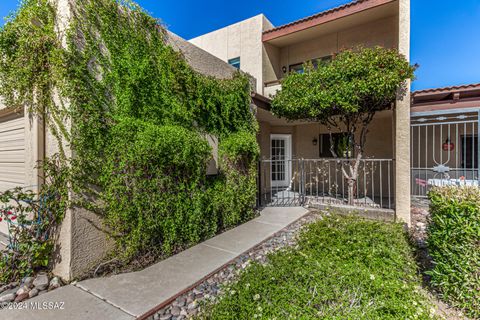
445, 127
269, 53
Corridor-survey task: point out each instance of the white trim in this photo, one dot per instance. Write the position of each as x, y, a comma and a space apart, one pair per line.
288, 158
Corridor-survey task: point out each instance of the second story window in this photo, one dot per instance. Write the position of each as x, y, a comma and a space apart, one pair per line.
235, 62
298, 67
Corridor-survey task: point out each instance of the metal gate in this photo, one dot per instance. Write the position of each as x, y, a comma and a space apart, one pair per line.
444, 149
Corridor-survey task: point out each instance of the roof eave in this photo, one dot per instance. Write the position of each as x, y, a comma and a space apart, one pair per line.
323, 17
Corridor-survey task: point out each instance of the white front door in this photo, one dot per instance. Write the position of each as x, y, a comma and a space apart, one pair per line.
281, 159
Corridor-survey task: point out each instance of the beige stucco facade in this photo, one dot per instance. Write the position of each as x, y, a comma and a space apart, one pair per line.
381, 32
303, 135
383, 23
82, 238
82, 241
402, 124
243, 40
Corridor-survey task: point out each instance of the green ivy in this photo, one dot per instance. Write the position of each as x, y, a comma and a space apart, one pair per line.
234, 194
137, 117
153, 183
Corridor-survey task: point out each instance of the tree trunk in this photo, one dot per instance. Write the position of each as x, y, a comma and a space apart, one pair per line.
352, 178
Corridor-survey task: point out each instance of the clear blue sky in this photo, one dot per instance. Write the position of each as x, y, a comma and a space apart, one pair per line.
445, 33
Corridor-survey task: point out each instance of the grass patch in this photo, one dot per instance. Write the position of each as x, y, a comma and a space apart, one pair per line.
342, 268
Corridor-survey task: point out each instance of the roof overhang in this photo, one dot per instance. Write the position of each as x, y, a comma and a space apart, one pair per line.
261, 101
458, 97
340, 18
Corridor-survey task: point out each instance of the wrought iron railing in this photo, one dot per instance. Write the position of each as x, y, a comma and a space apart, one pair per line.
444, 149
314, 182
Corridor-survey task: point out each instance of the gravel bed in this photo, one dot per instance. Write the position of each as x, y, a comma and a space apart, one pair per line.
28, 288
190, 303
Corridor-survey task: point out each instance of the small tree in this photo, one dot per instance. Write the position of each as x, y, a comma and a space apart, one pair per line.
344, 95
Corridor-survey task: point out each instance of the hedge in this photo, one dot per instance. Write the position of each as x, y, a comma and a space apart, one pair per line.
157, 195
454, 245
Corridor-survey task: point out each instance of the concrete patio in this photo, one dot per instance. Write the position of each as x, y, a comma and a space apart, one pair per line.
132, 295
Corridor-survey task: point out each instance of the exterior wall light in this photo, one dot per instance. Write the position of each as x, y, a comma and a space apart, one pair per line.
315, 141
284, 69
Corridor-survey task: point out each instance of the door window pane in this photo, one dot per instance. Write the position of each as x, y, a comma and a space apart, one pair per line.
278, 153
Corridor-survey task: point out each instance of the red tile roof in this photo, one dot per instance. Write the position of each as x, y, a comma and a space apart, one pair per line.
334, 13
449, 89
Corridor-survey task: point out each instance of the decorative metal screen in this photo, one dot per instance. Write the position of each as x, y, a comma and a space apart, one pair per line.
444, 149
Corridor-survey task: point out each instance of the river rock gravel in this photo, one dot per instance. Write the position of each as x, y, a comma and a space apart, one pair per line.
190, 303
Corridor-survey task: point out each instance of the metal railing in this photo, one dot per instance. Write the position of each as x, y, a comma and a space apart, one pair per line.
313, 182
444, 149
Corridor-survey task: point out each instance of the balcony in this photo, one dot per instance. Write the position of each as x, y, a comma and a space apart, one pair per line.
270, 88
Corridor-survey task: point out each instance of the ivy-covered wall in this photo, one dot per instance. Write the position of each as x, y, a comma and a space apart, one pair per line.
133, 114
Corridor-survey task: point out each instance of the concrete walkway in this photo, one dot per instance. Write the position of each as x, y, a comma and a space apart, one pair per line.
131, 295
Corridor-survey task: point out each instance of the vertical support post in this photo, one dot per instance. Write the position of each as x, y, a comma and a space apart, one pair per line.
302, 182
478, 147
259, 184
402, 125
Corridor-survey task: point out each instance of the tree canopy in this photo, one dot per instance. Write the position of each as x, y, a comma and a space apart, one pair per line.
344, 95
356, 82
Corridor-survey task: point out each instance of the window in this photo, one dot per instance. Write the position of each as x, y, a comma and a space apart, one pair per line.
341, 145
322, 61
235, 62
469, 152
298, 67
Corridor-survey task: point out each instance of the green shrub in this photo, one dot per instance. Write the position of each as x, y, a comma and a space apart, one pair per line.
153, 183
454, 245
239, 150
343, 268
32, 220
233, 193
156, 195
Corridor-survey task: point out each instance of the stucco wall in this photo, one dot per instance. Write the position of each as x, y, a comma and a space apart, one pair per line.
378, 180
402, 124
82, 242
379, 139
242, 39
381, 32
200, 60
